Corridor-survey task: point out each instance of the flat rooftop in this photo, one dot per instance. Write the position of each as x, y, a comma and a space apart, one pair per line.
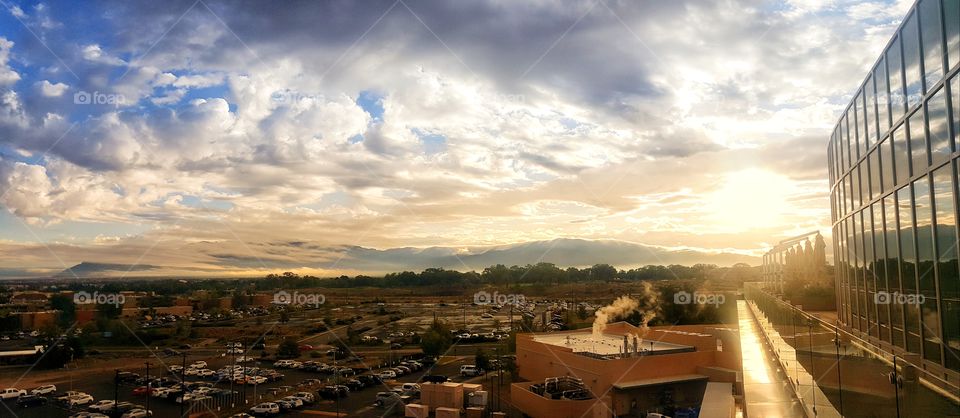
607, 344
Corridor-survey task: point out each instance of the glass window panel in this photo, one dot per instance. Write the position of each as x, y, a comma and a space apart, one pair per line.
843, 198
875, 170
893, 268
911, 60
932, 43
863, 142
868, 255
883, 97
943, 193
849, 149
924, 236
938, 128
901, 154
886, 165
918, 144
931, 330
890, 231
951, 16
951, 333
870, 112
907, 255
857, 187
955, 93
895, 79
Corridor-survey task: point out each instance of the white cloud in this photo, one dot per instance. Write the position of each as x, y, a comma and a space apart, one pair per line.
48, 89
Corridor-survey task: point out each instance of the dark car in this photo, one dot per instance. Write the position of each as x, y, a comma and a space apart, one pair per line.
396, 346
434, 378
259, 346
354, 384
332, 392
369, 379
27, 401
171, 352
127, 377
185, 346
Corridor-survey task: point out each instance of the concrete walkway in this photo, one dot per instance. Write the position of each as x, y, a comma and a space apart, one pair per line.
767, 393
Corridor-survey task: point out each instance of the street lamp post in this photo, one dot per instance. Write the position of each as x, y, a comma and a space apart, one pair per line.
146, 402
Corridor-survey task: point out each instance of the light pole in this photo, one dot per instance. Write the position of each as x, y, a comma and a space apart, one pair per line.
146, 402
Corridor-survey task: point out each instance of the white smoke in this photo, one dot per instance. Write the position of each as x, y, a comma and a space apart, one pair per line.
622, 307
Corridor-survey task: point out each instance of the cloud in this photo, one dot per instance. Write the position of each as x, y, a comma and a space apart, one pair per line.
48, 89
496, 122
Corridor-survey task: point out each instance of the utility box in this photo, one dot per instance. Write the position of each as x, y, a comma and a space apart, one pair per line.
442, 395
475, 412
448, 412
416, 411
477, 398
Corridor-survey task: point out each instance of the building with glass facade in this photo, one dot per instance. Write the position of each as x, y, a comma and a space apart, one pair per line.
893, 187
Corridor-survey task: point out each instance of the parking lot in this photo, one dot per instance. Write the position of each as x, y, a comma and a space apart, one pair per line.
357, 403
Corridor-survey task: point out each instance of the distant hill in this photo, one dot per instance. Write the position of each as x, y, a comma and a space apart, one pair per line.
88, 269
563, 252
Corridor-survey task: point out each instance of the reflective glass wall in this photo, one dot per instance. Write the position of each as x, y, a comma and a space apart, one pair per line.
893, 173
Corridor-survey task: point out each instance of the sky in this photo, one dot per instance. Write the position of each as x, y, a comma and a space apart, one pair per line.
207, 137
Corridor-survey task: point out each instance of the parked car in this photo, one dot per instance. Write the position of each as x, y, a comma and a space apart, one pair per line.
199, 364
387, 375
77, 400
354, 385
470, 370
331, 392
369, 379
44, 390
126, 377
385, 399
27, 401
89, 415
306, 397
265, 409
434, 378
11, 393
410, 388
141, 390
102, 406
137, 413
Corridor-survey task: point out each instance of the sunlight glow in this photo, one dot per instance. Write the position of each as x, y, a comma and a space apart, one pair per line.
748, 199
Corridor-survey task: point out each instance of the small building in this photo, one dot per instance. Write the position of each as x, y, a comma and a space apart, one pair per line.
627, 371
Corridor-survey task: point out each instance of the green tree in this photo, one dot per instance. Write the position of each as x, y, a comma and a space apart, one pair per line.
68, 310
436, 340
481, 359
288, 348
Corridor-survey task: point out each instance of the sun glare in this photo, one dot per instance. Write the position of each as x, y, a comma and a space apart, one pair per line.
749, 199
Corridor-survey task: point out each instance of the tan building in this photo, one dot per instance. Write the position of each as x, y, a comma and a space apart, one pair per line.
37, 320
625, 372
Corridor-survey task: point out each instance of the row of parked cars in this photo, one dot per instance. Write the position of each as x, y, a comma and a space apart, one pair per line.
45, 394
288, 403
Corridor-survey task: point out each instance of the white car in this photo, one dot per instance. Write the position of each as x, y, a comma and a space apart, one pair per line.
191, 396
191, 372
89, 415
206, 373
199, 364
297, 402
44, 390
102, 406
283, 364
12, 393
410, 388
78, 400
161, 392
306, 397
470, 370
137, 413
266, 408
256, 380
387, 374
